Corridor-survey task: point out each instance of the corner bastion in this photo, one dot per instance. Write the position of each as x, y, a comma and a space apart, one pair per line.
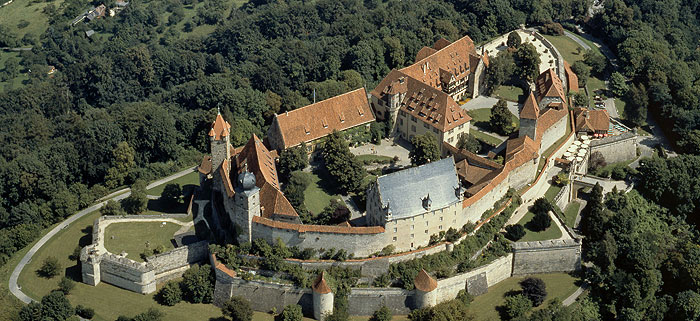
546, 256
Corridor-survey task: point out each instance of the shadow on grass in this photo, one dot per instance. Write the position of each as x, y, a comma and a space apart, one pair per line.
161, 206
326, 182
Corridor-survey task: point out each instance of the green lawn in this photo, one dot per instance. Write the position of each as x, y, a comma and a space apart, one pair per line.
552, 232
189, 179
481, 118
373, 158
318, 194
569, 49
551, 192
485, 137
132, 237
31, 11
512, 93
570, 213
559, 285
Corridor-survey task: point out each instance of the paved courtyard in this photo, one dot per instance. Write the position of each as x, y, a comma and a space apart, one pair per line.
389, 147
495, 46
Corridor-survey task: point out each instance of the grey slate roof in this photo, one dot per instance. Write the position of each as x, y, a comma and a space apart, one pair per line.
405, 190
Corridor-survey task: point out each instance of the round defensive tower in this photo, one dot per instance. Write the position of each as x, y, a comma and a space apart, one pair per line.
425, 294
322, 297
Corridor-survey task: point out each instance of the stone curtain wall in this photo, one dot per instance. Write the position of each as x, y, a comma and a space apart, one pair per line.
495, 272
546, 256
616, 148
557, 56
127, 274
562, 198
553, 134
366, 301
174, 263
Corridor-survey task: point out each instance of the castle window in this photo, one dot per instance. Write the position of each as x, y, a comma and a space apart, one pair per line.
412, 227
412, 235
425, 125
426, 231
435, 130
440, 218
401, 121
426, 223
394, 239
413, 128
395, 230
440, 227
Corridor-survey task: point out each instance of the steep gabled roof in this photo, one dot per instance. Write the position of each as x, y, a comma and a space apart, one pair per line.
521, 144
549, 85
453, 57
257, 159
430, 105
425, 282
273, 202
591, 120
205, 166
219, 128
530, 109
317, 120
320, 285
424, 52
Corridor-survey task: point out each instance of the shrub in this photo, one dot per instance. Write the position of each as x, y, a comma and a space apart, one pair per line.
55, 306
170, 294
198, 284
387, 250
541, 221
238, 309
515, 232
383, 314
552, 28
291, 312
50, 268
516, 306
84, 312
66, 285
534, 289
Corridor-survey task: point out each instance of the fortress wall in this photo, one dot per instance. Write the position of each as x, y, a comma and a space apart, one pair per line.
562, 198
495, 272
474, 211
179, 257
553, 134
546, 256
615, 149
127, 274
364, 301
361, 245
522, 175
557, 56
266, 296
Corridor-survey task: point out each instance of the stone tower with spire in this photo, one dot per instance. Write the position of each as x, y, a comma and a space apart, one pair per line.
528, 118
322, 297
220, 144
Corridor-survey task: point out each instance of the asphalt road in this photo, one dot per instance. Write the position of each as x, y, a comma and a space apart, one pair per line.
14, 287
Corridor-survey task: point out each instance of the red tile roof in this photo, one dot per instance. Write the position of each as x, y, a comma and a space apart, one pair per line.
430, 105
226, 177
219, 128
257, 159
425, 282
273, 202
571, 78
530, 109
317, 120
320, 285
303, 228
452, 57
548, 84
205, 166
591, 120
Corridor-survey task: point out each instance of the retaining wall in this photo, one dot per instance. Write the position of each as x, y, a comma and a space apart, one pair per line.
495, 272
616, 148
546, 256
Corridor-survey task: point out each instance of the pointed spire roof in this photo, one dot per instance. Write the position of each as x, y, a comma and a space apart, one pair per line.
219, 128
425, 282
530, 109
320, 285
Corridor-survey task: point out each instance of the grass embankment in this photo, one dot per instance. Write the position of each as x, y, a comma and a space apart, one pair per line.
486, 138
132, 237
373, 159
570, 214
484, 307
511, 93
552, 232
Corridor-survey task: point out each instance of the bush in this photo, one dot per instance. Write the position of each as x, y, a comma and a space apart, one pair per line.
66, 285
50, 268
534, 289
387, 250
515, 232
55, 306
517, 306
84, 312
238, 309
291, 312
170, 294
383, 314
198, 284
541, 221
552, 29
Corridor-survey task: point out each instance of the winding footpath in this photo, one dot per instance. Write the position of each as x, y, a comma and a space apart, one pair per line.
121, 194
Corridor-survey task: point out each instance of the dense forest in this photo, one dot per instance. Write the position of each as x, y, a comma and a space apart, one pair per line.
135, 101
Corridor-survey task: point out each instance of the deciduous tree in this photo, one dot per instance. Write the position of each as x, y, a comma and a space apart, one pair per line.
238, 309
501, 119
425, 149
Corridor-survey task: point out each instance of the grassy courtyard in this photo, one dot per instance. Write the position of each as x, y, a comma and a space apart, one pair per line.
319, 193
482, 116
551, 192
484, 307
189, 179
552, 232
132, 237
511, 93
486, 138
